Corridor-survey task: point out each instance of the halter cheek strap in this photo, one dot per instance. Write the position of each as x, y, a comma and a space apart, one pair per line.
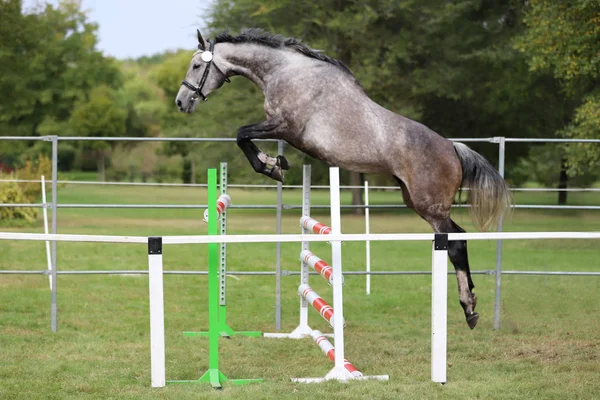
208, 58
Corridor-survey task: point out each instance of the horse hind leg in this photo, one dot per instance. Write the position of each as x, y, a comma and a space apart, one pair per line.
438, 218
457, 251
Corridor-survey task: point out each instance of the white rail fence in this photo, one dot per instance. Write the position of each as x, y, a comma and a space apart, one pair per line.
439, 274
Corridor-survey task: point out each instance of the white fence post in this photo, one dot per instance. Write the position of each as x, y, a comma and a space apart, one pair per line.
45, 215
157, 314
367, 243
439, 307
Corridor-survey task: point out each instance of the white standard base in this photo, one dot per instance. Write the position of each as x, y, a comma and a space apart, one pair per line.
301, 332
342, 375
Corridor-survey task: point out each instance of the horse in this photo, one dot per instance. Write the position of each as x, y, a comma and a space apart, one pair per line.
314, 103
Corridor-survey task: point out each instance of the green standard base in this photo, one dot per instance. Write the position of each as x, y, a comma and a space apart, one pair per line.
225, 334
225, 331
216, 378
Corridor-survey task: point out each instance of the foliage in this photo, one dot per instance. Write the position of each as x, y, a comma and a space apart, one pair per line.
55, 82
563, 37
24, 192
34, 170
12, 193
540, 166
100, 116
48, 63
143, 162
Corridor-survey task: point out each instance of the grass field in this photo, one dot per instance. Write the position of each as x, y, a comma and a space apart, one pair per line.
548, 346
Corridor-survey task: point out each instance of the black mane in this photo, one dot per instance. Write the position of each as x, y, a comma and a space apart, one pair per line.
275, 41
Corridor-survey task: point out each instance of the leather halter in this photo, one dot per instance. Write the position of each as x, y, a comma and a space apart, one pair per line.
198, 89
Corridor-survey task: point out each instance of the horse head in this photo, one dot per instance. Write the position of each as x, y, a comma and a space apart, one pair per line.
202, 77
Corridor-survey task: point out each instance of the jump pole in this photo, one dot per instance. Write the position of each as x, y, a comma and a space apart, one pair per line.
214, 376
223, 202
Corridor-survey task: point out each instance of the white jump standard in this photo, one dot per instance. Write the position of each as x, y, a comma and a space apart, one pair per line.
343, 370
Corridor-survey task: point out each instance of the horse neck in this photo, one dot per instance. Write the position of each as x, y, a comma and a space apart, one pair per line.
256, 62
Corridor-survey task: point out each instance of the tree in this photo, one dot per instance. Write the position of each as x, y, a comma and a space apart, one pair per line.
562, 38
100, 116
48, 64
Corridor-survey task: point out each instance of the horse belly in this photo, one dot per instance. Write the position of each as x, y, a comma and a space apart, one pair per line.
343, 150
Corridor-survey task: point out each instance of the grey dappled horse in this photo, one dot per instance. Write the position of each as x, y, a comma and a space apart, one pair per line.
315, 103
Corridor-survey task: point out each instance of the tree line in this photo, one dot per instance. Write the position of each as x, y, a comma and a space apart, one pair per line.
465, 68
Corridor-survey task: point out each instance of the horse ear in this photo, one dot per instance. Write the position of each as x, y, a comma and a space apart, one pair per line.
201, 42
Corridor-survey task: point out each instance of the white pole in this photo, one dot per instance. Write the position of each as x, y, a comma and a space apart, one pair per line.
336, 255
306, 178
303, 329
367, 242
157, 317
45, 214
439, 307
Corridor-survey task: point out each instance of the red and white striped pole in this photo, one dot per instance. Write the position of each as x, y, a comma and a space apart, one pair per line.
314, 226
223, 202
318, 265
329, 351
317, 302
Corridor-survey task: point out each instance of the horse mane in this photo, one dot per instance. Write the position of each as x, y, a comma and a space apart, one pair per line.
259, 36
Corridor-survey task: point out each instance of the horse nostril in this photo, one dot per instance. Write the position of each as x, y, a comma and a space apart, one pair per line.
179, 103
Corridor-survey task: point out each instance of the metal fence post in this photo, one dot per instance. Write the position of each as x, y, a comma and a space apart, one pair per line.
502, 147
53, 307
278, 248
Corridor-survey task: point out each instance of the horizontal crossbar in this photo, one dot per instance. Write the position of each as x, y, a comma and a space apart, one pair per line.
205, 239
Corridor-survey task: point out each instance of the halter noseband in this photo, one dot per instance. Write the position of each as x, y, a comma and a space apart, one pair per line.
198, 89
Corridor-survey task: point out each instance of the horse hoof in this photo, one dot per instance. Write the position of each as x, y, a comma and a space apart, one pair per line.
283, 163
472, 320
276, 174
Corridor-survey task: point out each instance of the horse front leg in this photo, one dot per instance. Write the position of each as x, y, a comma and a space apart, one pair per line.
272, 167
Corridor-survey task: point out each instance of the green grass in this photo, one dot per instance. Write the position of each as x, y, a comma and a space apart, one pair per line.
547, 347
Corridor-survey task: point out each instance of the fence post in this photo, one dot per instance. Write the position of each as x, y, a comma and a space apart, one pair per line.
45, 216
367, 242
439, 307
157, 312
501, 153
53, 307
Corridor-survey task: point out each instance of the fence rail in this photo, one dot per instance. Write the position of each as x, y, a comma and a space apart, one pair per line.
294, 238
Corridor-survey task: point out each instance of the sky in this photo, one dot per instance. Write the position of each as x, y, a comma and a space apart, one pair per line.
133, 28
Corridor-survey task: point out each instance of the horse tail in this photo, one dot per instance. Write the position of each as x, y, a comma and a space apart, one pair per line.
489, 195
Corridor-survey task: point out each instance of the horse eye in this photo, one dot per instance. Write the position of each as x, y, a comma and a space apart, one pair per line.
196, 66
